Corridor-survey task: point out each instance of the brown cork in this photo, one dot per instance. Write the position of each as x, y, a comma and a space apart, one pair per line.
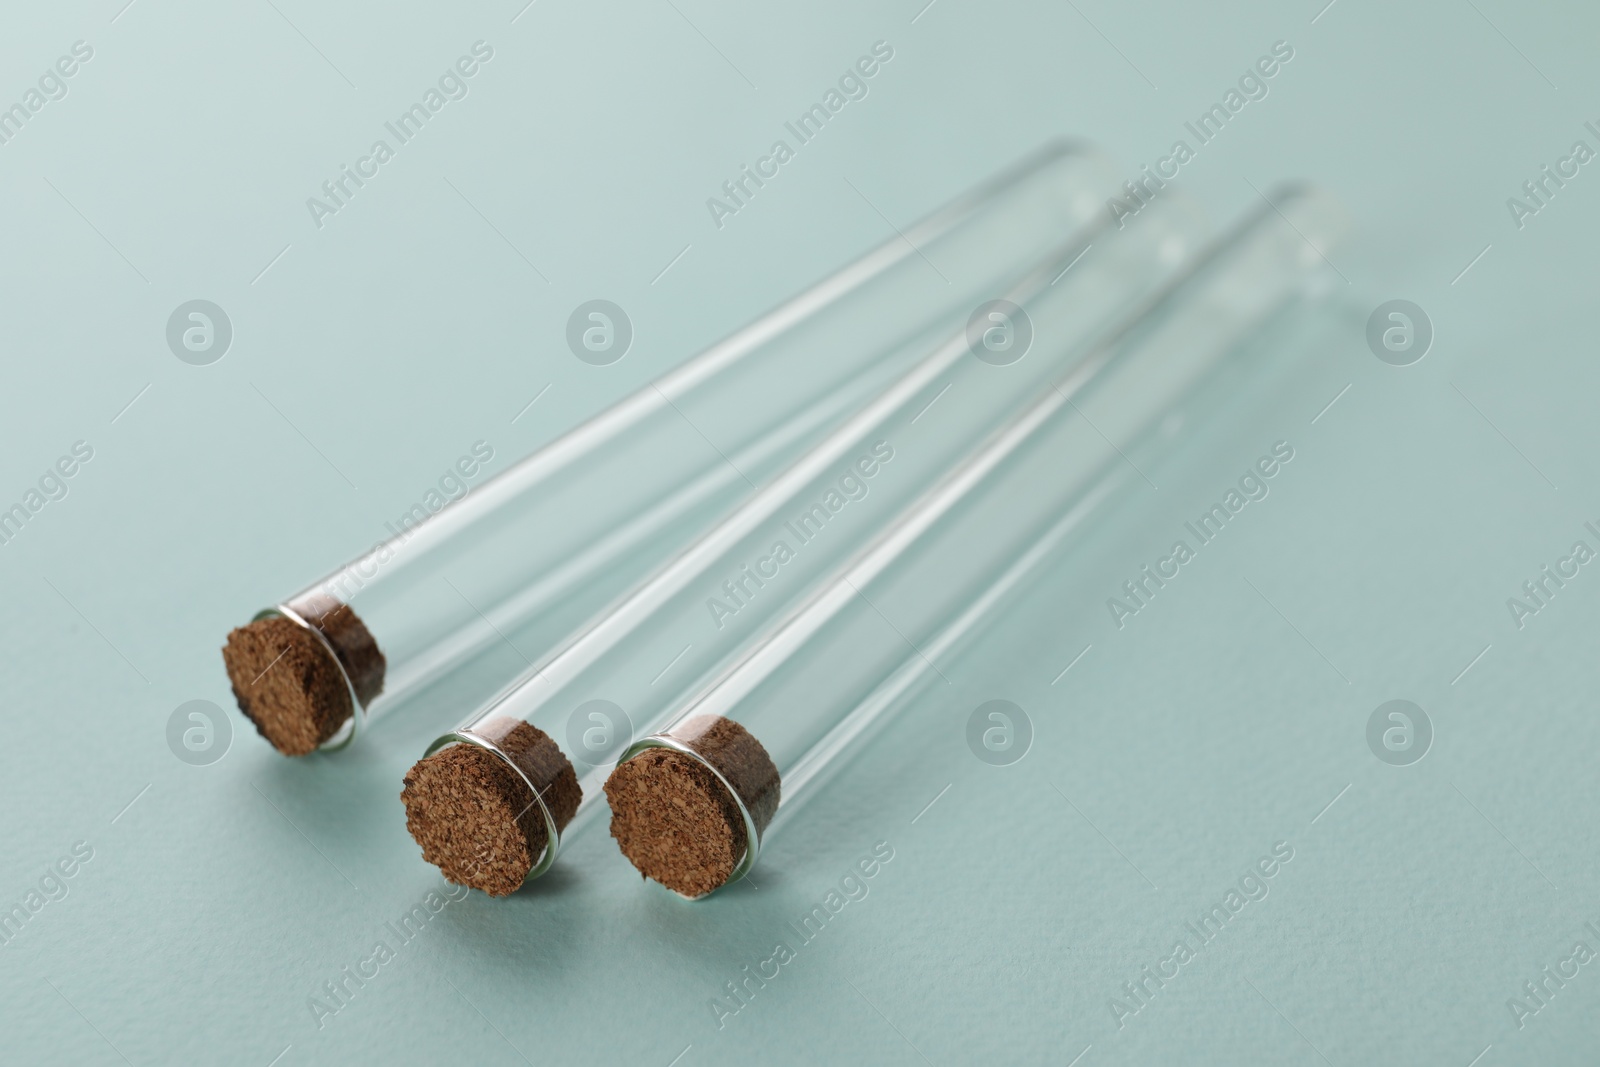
675, 821
476, 818
352, 642
287, 684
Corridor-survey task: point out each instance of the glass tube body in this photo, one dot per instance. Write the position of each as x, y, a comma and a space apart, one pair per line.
634, 658
826, 674
558, 535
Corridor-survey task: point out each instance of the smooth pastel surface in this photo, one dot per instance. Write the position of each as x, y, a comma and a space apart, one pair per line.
374, 345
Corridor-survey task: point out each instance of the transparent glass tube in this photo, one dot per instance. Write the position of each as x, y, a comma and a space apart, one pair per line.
536, 550
943, 564
624, 668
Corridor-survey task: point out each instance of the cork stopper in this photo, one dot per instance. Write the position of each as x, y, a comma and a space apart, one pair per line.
676, 821
474, 815
352, 642
288, 685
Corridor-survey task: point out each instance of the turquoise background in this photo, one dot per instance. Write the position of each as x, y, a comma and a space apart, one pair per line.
370, 353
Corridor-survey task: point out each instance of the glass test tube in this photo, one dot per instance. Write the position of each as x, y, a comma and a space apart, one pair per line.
550, 540
693, 803
585, 697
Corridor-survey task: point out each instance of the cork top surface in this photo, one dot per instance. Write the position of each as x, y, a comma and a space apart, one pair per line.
287, 684
676, 823
474, 815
